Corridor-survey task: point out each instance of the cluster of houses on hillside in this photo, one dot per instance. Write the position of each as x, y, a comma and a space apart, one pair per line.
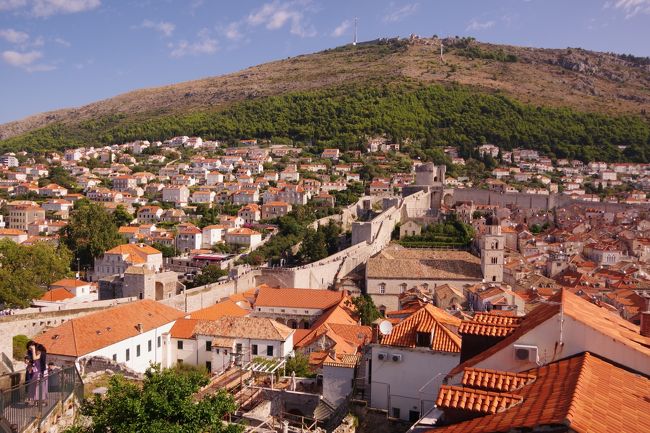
541, 322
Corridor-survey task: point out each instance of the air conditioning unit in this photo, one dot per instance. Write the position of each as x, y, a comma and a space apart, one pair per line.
382, 356
524, 352
396, 357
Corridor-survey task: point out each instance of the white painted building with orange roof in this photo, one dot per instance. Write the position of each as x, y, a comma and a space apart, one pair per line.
116, 260
408, 364
135, 334
244, 236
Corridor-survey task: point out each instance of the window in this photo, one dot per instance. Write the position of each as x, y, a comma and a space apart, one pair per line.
208, 346
254, 349
159, 340
149, 346
137, 350
382, 288
494, 277
115, 357
225, 351
396, 412
238, 347
402, 288
269, 350
414, 415
495, 260
216, 351
208, 366
423, 339
128, 354
179, 345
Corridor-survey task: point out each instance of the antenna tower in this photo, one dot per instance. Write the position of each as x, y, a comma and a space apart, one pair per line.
355, 31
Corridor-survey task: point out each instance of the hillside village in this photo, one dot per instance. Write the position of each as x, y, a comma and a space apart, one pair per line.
496, 290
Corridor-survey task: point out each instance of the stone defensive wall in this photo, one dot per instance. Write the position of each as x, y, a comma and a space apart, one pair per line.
368, 238
528, 201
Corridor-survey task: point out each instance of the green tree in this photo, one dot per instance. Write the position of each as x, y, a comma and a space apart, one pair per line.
299, 364
313, 247
26, 271
166, 250
91, 232
163, 404
121, 216
209, 274
366, 309
331, 231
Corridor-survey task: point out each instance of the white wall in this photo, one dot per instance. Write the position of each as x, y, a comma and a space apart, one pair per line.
135, 362
411, 384
576, 338
337, 383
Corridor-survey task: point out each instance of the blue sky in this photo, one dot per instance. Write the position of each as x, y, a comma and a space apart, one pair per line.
63, 53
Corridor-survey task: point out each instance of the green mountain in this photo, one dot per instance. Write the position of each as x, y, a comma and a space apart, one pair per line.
569, 102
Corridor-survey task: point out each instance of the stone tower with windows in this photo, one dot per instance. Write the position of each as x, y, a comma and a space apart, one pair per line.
492, 248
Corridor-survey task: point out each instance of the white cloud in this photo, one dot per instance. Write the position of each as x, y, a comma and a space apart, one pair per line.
396, 14
46, 8
276, 15
7, 5
14, 36
63, 42
21, 60
475, 25
162, 27
342, 29
204, 44
630, 7
232, 31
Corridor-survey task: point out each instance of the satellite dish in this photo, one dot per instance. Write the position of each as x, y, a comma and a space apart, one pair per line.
385, 327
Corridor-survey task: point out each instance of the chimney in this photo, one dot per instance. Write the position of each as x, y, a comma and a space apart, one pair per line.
645, 324
140, 327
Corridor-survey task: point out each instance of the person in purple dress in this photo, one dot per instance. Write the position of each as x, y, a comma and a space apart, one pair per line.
39, 366
29, 381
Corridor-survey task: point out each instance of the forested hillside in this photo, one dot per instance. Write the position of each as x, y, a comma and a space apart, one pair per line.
564, 102
428, 115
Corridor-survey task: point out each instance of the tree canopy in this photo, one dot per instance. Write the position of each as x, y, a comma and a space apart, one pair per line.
162, 404
430, 116
91, 232
27, 270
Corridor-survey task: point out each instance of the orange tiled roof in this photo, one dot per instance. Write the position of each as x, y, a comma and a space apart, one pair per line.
475, 400
297, 298
69, 282
428, 319
86, 334
573, 306
183, 328
214, 312
584, 394
471, 327
55, 295
493, 380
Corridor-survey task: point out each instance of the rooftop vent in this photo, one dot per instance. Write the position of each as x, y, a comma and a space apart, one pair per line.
140, 327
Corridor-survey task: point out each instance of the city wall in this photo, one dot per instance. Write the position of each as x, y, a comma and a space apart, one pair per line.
368, 238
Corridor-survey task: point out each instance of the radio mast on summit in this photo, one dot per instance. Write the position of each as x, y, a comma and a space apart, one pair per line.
355, 31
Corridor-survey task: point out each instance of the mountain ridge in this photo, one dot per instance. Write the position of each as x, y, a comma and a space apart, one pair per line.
583, 80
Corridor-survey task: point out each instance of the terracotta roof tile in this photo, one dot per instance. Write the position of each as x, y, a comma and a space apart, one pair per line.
248, 327
493, 380
57, 294
428, 319
86, 334
584, 394
297, 298
474, 400
216, 311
